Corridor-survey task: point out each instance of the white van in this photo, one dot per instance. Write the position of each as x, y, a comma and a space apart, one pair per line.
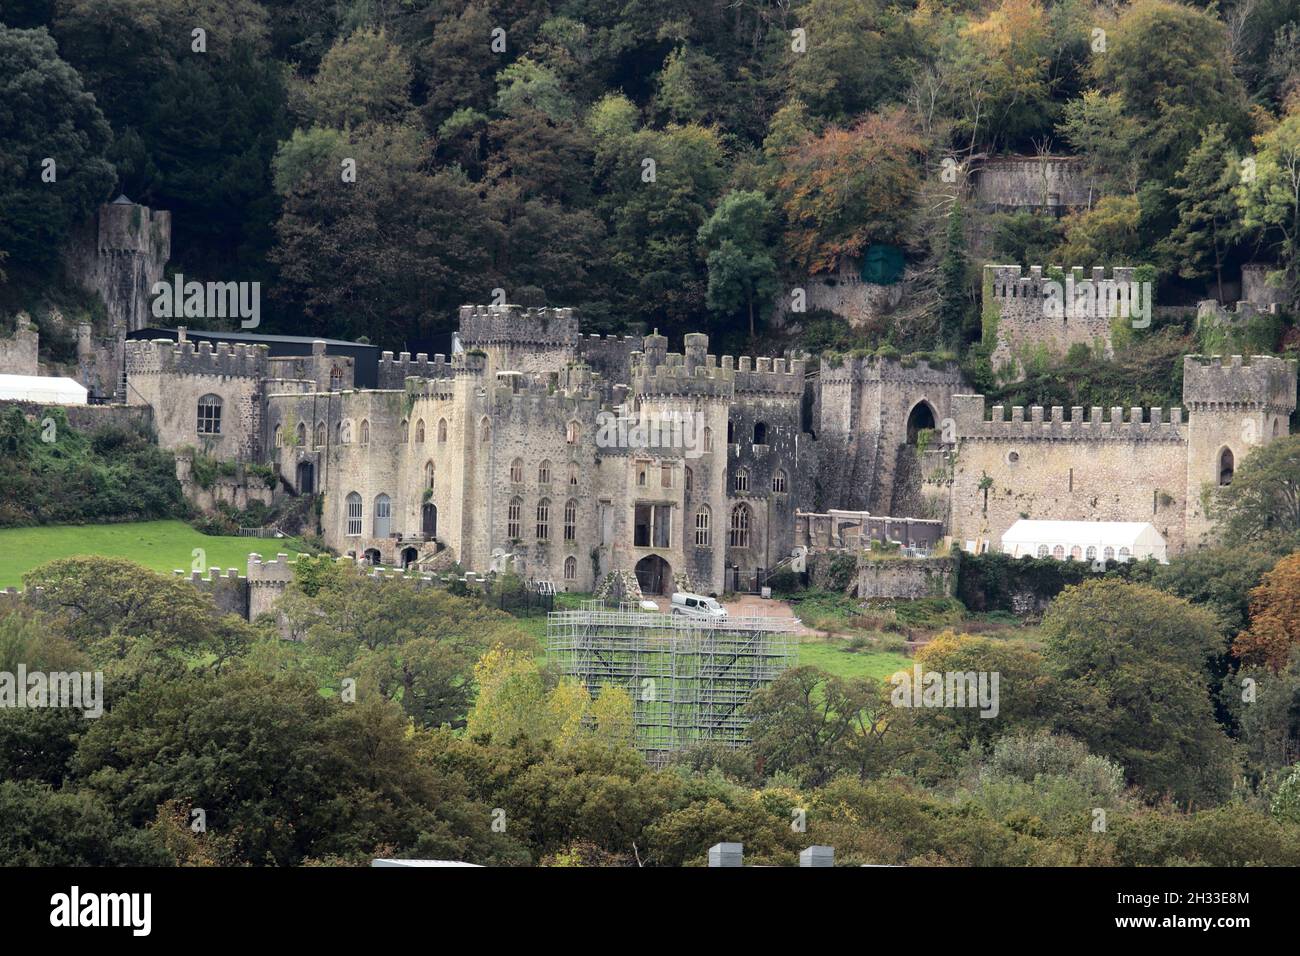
697, 605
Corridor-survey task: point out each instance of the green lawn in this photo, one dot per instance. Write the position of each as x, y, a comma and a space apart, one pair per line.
160, 545
834, 657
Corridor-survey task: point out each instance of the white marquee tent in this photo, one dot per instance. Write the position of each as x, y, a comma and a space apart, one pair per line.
47, 389
1085, 540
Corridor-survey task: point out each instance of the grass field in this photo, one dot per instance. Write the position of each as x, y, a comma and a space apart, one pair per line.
160, 545
832, 656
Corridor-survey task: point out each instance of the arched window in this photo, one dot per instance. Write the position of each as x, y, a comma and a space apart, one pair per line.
428, 475
1058, 553
573, 475
688, 479
1091, 553
405, 429
1226, 467
570, 520
740, 526
300, 435
419, 432
1042, 550
365, 431
1108, 554
383, 514
354, 514
345, 431
570, 568
442, 431
210, 415
512, 518
742, 480
760, 433
708, 438
702, 527
778, 481
544, 472
543, 520
336, 379
1076, 553
517, 470
1125, 554
731, 433
485, 429
320, 434
279, 439
571, 433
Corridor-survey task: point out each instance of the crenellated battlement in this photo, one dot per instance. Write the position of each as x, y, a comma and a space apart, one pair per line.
163, 356
515, 325
1260, 382
1009, 284
393, 372
896, 370
673, 377
1042, 424
526, 399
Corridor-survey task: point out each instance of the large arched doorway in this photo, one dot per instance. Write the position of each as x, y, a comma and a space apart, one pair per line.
654, 575
306, 478
920, 418
409, 557
429, 520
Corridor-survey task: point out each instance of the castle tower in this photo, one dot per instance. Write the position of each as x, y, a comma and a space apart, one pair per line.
515, 339
1043, 313
1235, 405
120, 255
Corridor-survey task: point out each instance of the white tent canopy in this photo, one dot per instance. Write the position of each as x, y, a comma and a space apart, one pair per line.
1085, 540
42, 388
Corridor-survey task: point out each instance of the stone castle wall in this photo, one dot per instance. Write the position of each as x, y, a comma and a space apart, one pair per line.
18, 352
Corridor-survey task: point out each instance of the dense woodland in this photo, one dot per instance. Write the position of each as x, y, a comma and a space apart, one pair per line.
505, 145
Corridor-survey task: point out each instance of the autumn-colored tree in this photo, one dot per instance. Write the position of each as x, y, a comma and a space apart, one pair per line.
848, 188
1274, 618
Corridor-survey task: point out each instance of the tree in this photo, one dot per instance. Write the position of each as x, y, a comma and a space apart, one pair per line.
1274, 628
1010, 49
46, 115
1270, 199
1167, 62
1107, 234
1131, 663
112, 610
40, 826
954, 291
1209, 219
742, 271
848, 188
813, 724
1107, 139
856, 57
388, 255
364, 78
1263, 502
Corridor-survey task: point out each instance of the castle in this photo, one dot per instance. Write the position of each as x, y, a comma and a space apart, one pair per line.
566, 457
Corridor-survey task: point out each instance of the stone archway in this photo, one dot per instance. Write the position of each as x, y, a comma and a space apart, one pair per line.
306, 478
409, 557
654, 575
921, 417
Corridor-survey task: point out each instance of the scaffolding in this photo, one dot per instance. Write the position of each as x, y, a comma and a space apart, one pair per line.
689, 678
